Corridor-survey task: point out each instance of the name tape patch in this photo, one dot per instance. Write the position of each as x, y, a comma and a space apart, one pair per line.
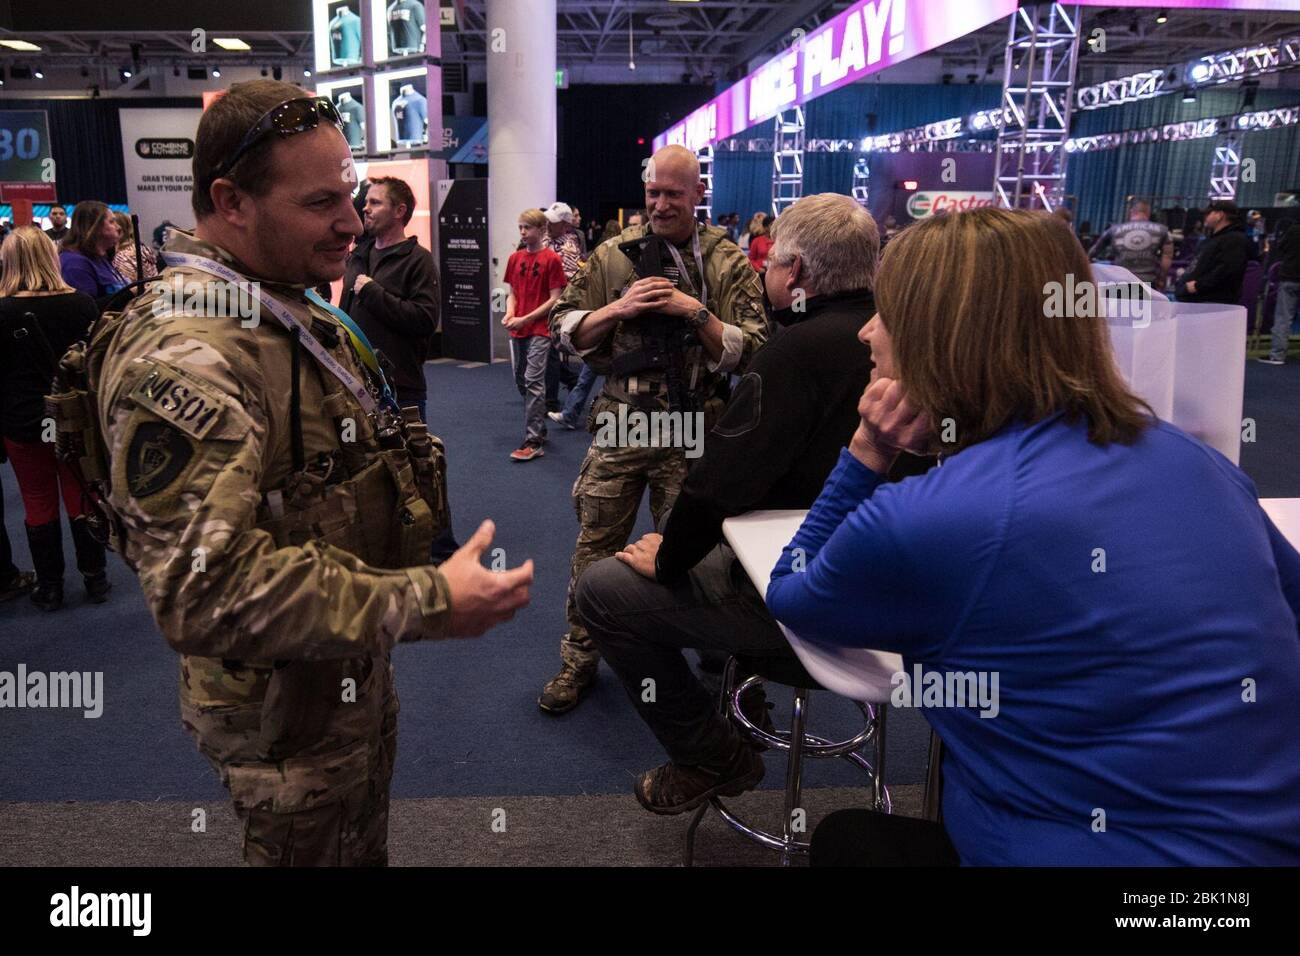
191, 405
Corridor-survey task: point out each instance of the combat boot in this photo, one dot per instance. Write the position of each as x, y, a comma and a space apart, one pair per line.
90, 561
46, 544
676, 788
562, 693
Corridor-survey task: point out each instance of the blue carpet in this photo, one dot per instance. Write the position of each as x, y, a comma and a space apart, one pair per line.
469, 725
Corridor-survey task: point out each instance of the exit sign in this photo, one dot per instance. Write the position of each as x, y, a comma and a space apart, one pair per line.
561, 79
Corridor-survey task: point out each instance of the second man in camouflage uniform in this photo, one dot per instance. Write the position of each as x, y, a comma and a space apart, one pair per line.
630, 329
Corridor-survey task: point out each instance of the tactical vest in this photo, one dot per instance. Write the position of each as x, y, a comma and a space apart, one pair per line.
642, 362
381, 495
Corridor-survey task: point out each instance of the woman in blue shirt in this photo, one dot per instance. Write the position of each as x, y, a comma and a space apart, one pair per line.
87, 252
1111, 581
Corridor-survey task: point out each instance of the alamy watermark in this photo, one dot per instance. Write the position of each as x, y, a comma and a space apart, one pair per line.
82, 690
76, 909
211, 298
633, 428
1088, 300
946, 689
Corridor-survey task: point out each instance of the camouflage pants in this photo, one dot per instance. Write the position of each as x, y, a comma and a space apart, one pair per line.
607, 496
307, 755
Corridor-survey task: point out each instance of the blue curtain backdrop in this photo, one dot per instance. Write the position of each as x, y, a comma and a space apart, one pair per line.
743, 181
1099, 181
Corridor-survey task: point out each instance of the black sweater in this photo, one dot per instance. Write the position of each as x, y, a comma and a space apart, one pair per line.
781, 434
1288, 253
398, 311
27, 324
1218, 268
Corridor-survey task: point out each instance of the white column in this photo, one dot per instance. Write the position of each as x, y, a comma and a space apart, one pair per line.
521, 124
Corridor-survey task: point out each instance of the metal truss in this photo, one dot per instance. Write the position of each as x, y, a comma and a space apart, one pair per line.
1226, 169
705, 156
1125, 89
787, 159
1225, 66
1031, 147
861, 181
1207, 128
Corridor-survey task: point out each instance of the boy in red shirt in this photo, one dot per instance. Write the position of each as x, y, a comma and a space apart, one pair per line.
535, 276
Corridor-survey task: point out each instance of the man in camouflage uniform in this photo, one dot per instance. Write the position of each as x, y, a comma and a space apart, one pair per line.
598, 318
279, 535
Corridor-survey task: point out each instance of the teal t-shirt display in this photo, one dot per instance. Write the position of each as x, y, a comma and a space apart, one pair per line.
345, 38
353, 115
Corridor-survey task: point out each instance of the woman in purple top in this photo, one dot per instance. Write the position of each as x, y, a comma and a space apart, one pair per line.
87, 252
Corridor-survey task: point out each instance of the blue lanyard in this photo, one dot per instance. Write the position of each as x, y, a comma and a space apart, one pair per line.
366, 350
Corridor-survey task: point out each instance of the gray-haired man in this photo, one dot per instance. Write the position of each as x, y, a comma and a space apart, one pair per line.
780, 436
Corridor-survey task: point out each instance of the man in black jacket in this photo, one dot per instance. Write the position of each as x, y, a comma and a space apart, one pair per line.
773, 447
1215, 274
390, 289
1287, 252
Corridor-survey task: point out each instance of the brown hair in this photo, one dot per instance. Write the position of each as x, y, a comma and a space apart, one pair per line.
30, 263
964, 300
223, 127
87, 218
128, 234
398, 192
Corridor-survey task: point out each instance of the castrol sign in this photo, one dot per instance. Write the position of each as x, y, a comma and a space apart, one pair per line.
923, 204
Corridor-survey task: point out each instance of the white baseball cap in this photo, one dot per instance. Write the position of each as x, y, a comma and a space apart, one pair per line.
559, 212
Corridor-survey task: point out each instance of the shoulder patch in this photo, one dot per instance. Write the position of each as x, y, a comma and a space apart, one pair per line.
184, 400
157, 455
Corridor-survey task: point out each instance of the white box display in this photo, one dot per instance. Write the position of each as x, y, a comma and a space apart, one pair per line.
1187, 360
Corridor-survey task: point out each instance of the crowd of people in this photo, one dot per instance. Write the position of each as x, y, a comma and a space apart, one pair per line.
962, 461
1216, 255
54, 283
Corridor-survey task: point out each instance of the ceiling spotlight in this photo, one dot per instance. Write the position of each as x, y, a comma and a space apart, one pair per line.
216, 74
306, 72
176, 70
39, 75
277, 73
264, 71
1189, 95
1162, 16
126, 74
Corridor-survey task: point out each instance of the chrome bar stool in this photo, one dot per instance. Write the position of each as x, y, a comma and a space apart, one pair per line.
798, 743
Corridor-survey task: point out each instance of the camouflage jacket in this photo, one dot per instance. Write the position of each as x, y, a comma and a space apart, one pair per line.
734, 296
195, 414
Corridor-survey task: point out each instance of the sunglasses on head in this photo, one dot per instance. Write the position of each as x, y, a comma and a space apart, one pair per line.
290, 117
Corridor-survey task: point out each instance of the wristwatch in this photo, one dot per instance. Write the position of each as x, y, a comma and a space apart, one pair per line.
700, 319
